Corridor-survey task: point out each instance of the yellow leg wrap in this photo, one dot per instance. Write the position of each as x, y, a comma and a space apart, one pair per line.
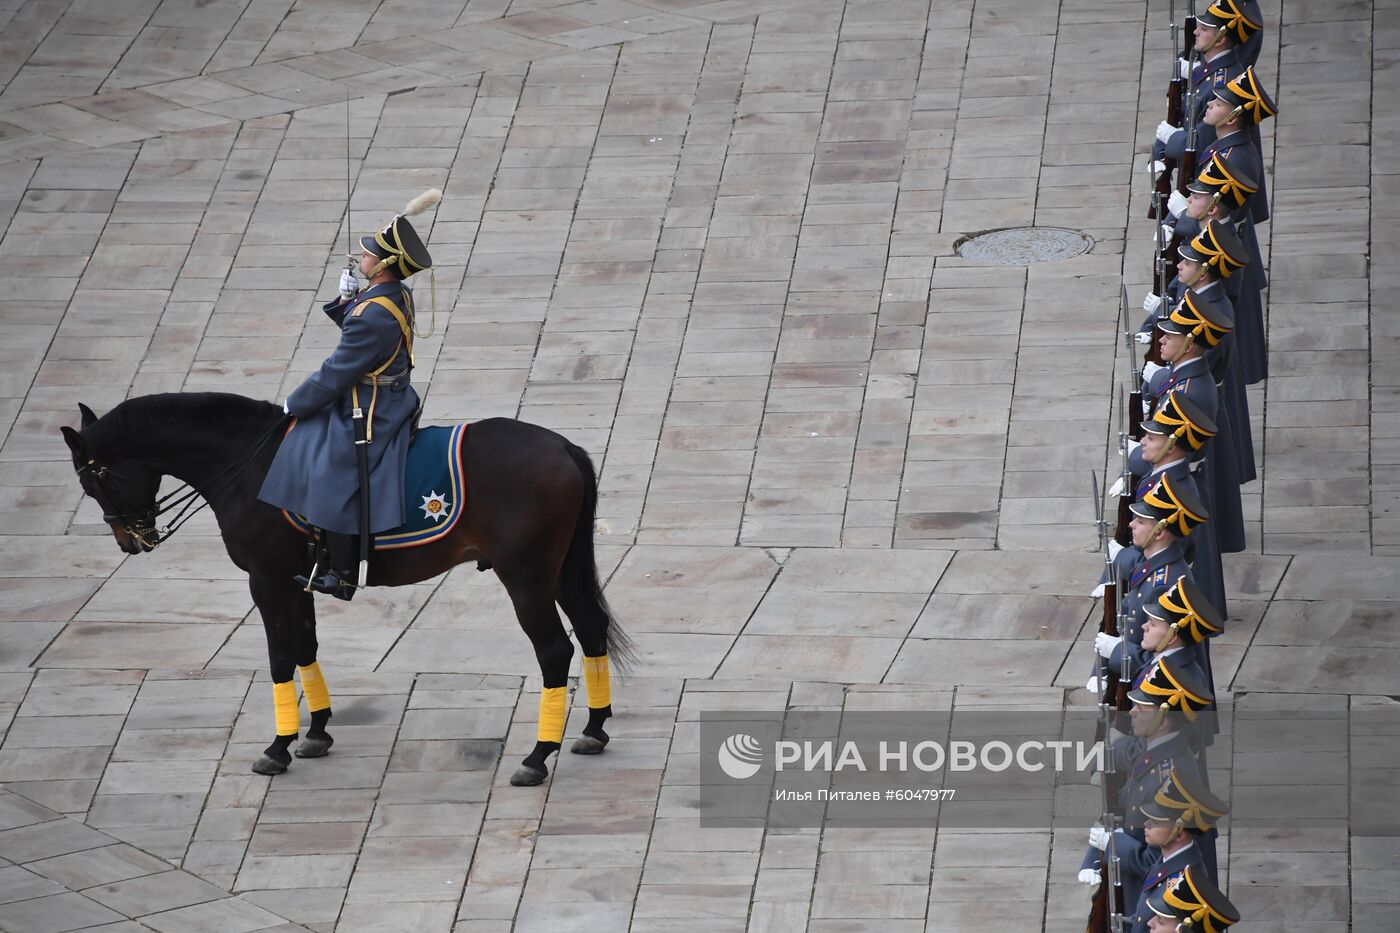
284, 702
554, 705
599, 683
314, 686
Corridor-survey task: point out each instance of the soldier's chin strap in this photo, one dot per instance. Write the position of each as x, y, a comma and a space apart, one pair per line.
1220, 36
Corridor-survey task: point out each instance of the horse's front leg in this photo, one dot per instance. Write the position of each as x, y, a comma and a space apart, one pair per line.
313, 684
290, 640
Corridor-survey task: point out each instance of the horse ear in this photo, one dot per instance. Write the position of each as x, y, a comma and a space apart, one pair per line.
75, 442
88, 416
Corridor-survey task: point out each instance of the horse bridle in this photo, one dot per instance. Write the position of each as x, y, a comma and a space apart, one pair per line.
141, 525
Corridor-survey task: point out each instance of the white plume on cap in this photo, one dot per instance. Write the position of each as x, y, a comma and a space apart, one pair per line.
424, 201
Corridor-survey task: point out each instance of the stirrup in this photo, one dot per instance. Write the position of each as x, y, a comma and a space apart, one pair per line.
330, 583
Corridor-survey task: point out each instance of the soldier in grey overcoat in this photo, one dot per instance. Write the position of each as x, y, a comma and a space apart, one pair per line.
315, 472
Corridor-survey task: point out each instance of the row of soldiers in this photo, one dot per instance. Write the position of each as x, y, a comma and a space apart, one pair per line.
1186, 450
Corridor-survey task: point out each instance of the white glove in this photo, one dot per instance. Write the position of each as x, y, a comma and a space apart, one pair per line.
1097, 591
1176, 203
348, 285
1143, 337
1114, 548
1156, 167
1115, 490
1165, 131
1134, 445
1183, 68
1096, 779
1151, 302
1098, 837
285, 410
1105, 643
1093, 685
1149, 370
1168, 231
1089, 876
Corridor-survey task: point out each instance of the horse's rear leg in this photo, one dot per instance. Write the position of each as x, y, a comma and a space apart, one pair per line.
534, 607
591, 620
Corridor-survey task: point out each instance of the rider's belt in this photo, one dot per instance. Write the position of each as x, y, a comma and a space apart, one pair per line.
396, 380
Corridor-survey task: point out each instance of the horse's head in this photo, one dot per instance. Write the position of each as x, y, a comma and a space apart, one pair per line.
126, 490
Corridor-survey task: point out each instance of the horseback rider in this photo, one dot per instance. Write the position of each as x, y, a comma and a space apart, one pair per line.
315, 473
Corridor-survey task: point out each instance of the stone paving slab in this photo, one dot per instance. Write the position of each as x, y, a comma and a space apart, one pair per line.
841, 466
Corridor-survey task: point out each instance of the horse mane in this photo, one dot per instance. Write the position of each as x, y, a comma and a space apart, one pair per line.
149, 414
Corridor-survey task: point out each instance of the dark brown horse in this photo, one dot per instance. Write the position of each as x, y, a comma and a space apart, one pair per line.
532, 496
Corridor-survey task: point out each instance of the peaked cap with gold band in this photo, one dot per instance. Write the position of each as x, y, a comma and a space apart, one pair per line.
1182, 420
1195, 901
398, 245
1247, 95
1186, 801
1185, 608
1172, 688
1218, 247
1171, 505
1198, 318
1229, 15
1224, 182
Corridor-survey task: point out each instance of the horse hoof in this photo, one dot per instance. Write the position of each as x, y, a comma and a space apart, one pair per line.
269, 765
526, 776
314, 747
588, 745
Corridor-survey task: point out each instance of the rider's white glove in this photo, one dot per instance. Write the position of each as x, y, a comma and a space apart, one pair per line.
348, 285
1089, 876
1151, 302
1177, 203
1165, 131
1105, 643
1098, 837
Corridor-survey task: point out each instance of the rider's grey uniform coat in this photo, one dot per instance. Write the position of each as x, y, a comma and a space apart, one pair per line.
314, 473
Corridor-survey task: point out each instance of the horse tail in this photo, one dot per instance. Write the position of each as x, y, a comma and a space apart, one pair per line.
580, 590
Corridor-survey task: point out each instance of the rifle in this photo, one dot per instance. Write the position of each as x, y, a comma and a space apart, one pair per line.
1123, 515
1176, 89
1188, 30
1135, 386
1107, 909
1161, 277
1186, 168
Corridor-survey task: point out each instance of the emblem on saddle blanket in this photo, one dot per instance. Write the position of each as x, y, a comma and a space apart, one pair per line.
434, 463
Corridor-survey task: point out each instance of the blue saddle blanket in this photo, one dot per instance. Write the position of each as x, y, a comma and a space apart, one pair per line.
434, 490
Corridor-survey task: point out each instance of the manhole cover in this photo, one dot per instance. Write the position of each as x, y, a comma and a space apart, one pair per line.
1021, 246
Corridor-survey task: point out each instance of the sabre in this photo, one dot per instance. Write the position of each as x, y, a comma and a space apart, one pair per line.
349, 248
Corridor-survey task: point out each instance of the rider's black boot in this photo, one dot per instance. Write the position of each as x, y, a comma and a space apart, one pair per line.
338, 578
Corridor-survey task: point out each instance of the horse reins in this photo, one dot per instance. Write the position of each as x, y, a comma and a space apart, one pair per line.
142, 525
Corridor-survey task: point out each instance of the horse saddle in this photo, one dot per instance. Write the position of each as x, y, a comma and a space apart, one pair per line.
434, 490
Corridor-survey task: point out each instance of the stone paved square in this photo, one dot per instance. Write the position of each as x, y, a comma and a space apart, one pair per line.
841, 466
